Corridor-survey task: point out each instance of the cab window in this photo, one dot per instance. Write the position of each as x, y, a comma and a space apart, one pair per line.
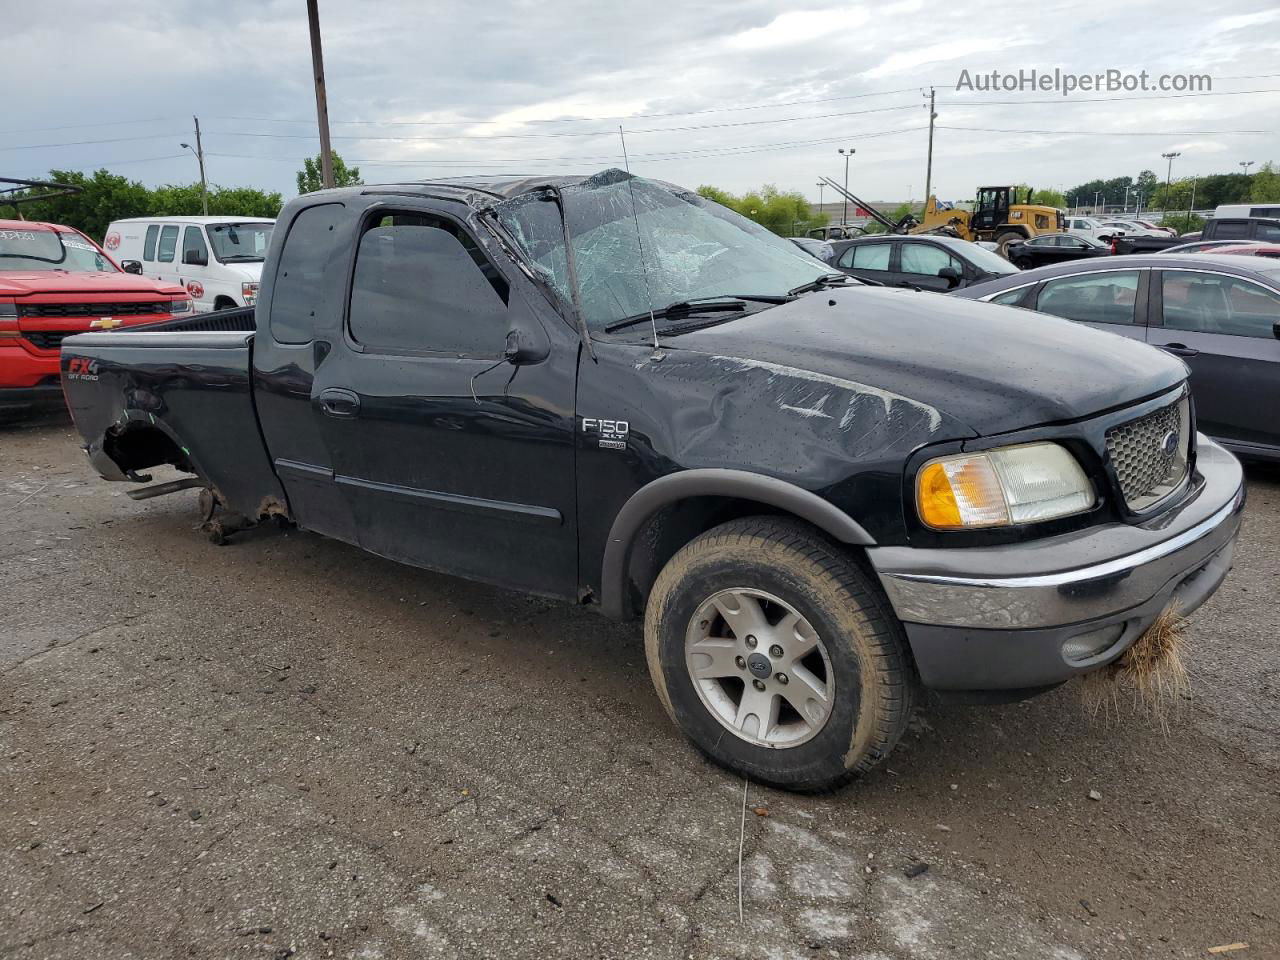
422, 285
1214, 303
1097, 298
1010, 297
149, 244
168, 243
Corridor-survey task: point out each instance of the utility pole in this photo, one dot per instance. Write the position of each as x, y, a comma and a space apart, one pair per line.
928, 170
847, 155
1168, 177
1191, 207
322, 103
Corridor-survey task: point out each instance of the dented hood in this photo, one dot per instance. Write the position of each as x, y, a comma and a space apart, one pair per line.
992, 368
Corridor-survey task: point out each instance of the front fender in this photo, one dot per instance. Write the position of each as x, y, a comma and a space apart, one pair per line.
737, 484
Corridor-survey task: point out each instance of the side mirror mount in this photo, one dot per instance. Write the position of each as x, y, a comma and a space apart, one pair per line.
195, 258
951, 275
131, 266
522, 348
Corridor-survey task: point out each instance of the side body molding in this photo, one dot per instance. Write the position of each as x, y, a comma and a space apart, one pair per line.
710, 482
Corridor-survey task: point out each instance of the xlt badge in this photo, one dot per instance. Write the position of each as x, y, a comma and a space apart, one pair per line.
612, 433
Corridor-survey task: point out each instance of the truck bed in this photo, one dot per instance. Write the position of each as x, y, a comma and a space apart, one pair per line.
180, 397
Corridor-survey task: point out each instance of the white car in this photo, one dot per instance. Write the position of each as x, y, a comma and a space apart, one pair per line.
1087, 227
1137, 228
218, 259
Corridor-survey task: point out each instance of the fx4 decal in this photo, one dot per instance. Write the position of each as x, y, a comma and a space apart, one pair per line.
82, 368
612, 433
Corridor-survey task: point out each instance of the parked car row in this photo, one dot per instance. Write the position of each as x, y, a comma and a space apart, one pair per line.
1219, 312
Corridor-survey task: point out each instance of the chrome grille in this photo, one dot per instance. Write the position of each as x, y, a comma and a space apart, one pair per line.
1148, 465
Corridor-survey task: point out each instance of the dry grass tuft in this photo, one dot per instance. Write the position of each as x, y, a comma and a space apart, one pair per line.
1152, 673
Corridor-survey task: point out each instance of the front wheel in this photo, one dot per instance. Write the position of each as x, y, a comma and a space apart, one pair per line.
778, 656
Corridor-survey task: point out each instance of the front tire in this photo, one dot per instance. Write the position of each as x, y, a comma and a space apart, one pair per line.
778, 656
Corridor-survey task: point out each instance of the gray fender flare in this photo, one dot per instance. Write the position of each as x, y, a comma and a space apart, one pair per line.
717, 482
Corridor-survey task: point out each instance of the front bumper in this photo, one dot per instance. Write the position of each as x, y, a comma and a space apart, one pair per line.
45, 393
996, 618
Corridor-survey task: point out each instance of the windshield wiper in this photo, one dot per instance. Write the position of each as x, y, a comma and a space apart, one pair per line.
826, 280
242, 256
681, 308
684, 308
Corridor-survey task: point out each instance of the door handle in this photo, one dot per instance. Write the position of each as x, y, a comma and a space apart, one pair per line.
1180, 349
336, 402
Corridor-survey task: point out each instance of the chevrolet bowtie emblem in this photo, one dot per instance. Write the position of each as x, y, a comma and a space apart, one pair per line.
103, 323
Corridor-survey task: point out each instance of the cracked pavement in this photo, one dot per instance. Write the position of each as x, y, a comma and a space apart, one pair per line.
285, 746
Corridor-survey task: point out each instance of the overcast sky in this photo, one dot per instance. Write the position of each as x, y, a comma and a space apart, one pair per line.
761, 80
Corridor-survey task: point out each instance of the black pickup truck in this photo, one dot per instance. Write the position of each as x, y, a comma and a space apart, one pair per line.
1259, 229
819, 495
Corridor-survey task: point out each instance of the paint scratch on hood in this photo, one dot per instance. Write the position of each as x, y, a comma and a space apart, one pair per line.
886, 397
814, 411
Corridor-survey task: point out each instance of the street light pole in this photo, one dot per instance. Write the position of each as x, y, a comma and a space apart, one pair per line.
199, 154
848, 154
821, 187
1168, 177
1245, 165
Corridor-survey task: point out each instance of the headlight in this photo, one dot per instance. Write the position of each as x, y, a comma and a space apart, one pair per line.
998, 488
249, 291
180, 306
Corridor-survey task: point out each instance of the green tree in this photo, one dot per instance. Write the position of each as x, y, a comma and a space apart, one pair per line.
1183, 222
785, 213
310, 178
896, 215
1146, 183
1265, 187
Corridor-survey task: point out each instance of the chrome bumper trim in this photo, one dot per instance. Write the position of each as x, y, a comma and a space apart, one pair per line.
929, 587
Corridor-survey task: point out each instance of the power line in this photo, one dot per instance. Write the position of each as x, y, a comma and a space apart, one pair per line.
81, 126
568, 133
630, 116
1163, 96
597, 158
1119, 133
81, 143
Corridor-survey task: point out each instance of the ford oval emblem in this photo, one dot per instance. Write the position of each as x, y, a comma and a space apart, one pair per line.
1170, 443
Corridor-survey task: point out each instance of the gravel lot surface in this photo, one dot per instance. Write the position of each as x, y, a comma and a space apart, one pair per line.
285, 746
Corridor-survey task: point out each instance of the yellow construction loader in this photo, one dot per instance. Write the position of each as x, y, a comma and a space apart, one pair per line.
997, 216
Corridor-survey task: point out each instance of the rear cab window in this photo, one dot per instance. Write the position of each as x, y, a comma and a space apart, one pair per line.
149, 245
300, 291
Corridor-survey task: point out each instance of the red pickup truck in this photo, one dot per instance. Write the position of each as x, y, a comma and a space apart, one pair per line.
55, 281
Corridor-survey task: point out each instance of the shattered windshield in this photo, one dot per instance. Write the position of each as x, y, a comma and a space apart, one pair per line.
50, 250
692, 248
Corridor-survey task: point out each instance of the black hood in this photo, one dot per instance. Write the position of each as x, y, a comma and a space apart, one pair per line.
993, 368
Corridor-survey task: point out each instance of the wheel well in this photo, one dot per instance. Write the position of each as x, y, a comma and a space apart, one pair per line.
139, 447
223, 303
674, 525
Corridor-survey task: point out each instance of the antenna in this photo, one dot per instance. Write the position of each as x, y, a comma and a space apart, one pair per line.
644, 267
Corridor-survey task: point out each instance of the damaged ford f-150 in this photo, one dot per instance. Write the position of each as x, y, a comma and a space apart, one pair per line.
819, 495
